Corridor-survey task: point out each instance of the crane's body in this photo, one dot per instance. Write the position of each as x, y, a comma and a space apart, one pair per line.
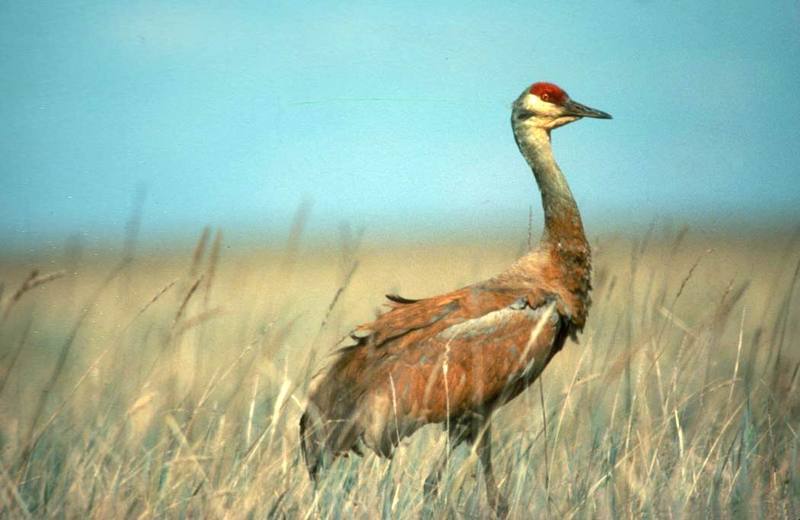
456, 357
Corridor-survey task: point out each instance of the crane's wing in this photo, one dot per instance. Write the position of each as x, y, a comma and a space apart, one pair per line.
495, 339
433, 315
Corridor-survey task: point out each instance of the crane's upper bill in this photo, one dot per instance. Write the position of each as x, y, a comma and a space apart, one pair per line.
573, 108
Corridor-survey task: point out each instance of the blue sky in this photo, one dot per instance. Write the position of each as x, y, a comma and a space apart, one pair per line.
390, 116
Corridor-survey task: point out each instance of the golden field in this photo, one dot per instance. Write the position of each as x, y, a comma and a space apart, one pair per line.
170, 384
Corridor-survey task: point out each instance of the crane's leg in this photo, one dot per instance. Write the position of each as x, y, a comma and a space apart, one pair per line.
458, 434
431, 486
482, 439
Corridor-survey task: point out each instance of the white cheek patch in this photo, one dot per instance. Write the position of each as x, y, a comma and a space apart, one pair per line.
536, 105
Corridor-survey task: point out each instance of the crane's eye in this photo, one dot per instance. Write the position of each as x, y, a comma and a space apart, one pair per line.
545, 97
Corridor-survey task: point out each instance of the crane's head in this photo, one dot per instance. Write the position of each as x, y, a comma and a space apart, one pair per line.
547, 106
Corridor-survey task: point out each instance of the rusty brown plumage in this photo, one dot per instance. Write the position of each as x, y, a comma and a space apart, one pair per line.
456, 357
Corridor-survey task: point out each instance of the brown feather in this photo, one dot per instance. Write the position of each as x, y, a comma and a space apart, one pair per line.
396, 298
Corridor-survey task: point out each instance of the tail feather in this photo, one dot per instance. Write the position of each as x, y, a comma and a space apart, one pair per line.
329, 426
309, 446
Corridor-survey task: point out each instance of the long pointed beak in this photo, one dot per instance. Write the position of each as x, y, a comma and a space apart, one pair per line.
573, 108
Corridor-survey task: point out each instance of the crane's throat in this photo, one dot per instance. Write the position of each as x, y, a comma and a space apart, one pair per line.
562, 218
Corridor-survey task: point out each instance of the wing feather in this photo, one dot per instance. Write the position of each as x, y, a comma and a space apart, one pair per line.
430, 316
396, 298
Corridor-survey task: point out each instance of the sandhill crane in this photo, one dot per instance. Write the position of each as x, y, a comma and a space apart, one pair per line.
456, 357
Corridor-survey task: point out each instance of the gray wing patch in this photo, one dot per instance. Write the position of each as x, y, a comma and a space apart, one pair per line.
491, 322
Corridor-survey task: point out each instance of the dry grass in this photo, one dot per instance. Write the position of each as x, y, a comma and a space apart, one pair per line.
134, 390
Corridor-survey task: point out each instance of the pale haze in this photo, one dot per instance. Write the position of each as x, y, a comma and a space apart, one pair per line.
392, 117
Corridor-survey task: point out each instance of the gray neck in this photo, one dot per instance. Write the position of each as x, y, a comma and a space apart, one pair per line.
561, 216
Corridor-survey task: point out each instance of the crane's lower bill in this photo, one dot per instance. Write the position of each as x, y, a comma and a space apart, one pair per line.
573, 108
